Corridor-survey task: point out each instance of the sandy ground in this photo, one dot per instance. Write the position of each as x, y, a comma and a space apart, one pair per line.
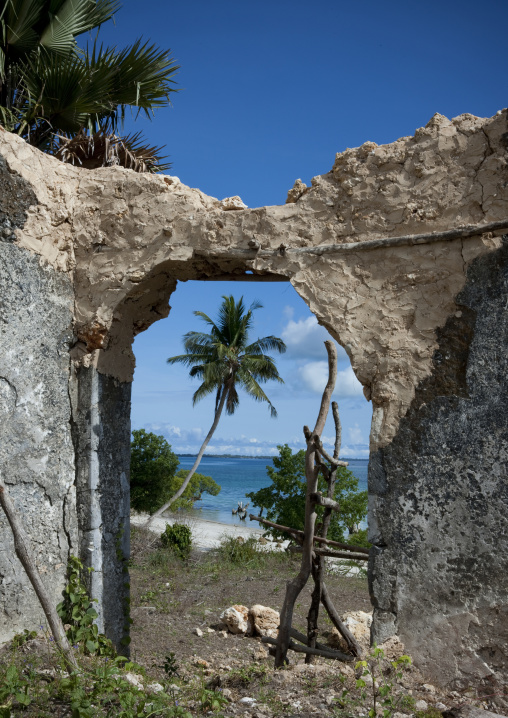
205, 534
208, 534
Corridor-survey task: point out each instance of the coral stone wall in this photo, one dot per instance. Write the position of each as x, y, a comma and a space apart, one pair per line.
439, 497
36, 449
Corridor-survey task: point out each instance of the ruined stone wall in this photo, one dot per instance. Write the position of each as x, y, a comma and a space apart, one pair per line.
439, 496
36, 450
416, 321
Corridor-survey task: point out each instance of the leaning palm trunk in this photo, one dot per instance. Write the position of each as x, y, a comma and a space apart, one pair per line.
191, 473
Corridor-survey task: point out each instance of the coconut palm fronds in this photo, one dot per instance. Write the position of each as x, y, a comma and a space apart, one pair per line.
104, 149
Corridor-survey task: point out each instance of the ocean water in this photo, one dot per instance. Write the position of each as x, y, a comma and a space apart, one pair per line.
238, 476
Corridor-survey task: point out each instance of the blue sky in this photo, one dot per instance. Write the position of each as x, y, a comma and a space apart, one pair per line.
269, 92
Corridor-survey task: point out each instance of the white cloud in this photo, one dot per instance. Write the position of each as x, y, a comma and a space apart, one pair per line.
188, 441
175, 433
314, 376
304, 338
356, 435
354, 451
288, 311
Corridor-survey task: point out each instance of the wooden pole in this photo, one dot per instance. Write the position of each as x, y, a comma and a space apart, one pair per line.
333, 554
21, 547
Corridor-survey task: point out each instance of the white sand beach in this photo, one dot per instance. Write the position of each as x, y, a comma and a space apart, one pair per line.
205, 534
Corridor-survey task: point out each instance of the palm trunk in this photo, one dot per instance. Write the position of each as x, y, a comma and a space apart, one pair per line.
189, 476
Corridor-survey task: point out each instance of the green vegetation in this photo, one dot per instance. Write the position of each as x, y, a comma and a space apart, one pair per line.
154, 476
71, 101
225, 359
384, 701
178, 538
240, 553
77, 611
284, 499
98, 688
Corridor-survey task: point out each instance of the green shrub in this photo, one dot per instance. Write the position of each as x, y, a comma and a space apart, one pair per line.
240, 553
153, 467
359, 539
179, 538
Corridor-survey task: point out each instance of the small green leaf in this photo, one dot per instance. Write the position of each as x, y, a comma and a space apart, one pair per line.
11, 674
23, 698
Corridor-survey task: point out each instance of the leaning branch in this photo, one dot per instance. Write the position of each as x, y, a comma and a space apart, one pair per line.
319, 539
21, 547
351, 641
332, 554
333, 461
321, 500
337, 655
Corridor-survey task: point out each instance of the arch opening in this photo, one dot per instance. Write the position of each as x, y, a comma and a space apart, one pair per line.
161, 395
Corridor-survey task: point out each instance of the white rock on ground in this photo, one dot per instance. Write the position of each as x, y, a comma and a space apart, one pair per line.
236, 618
265, 621
358, 622
134, 679
154, 688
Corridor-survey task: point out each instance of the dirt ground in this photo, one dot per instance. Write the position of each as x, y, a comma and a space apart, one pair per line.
186, 665
170, 599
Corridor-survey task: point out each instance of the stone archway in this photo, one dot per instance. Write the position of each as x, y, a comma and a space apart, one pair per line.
417, 318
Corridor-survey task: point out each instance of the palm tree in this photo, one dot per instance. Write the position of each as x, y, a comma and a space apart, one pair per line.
70, 101
223, 360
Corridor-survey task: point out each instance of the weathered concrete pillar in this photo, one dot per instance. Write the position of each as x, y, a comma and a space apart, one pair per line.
101, 431
439, 496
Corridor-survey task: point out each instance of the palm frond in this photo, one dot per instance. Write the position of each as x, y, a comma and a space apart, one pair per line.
70, 18
220, 358
143, 76
270, 343
186, 359
201, 392
251, 386
68, 91
232, 400
8, 119
102, 149
262, 367
215, 372
198, 341
19, 19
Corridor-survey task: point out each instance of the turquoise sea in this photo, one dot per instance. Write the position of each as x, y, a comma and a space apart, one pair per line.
238, 476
